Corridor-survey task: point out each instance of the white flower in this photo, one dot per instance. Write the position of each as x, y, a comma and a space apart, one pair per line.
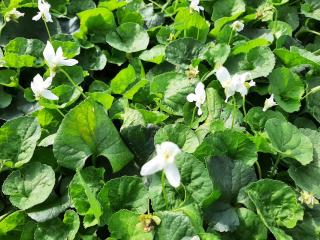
55, 59
196, 237
199, 96
237, 26
40, 88
194, 5
308, 199
236, 83
164, 160
14, 14
268, 103
44, 11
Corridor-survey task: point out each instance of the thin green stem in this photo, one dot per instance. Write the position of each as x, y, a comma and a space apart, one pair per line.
72, 82
275, 166
192, 118
230, 37
163, 184
59, 111
234, 111
185, 195
258, 169
47, 28
244, 107
314, 90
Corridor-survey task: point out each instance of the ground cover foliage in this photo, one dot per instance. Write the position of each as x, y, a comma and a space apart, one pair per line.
161, 120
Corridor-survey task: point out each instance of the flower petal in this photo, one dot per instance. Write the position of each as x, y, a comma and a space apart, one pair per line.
48, 52
173, 175
151, 167
191, 97
68, 62
199, 111
200, 91
169, 147
223, 75
49, 95
47, 82
37, 17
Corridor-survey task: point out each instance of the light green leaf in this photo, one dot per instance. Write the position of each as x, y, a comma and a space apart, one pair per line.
313, 100
56, 229
11, 222
227, 8
128, 37
126, 225
8, 78
122, 80
186, 139
83, 190
29, 186
154, 55
80, 136
287, 88
18, 140
289, 141
311, 9
92, 59
228, 143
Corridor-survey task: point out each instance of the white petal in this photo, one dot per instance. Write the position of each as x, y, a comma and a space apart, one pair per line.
38, 80
243, 90
169, 147
151, 167
48, 52
223, 75
47, 82
37, 17
47, 17
200, 91
68, 62
191, 97
173, 175
59, 54
199, 111
49, 95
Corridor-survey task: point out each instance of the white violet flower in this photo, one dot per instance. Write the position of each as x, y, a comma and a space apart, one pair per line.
199, 96
40, 88
268, 103
233, 84
13, 14
44, 12
164, 160
308, 199
55, 59
194, 5
237, 26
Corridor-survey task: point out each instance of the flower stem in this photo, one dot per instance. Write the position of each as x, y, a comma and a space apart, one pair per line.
163, 183
47, 28
59, 111
192, 118
230, 37
274, 168
234, 111
258, 169
72, 82
244, 106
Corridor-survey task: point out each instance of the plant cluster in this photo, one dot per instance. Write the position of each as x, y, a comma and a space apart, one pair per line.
165, 120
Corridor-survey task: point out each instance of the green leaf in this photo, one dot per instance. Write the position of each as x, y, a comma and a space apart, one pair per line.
5, 98
228, 143
21, 52
192, 24
259, 62
56, 229
275, 202
256, 118
18, 140
49, 209
69, 46
289, 141
92, 59
186, 139
12, 222
29, 186
122, 80
287, 88
128, 37
229, 176
80, 136
251, 227
154, 55
9, 78
83, 190
183, 51
172, 88
126, 192
215, 54
311, 9
280, 28
306, 177
104, 98
313, 100
126, 225
96, 23
227, 8
174, 226
246, 46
